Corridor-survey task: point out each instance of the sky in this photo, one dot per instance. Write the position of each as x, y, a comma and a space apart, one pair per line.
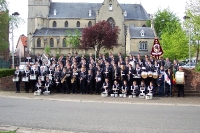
151, 6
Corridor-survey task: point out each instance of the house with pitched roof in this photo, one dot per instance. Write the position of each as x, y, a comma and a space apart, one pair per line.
48, 22
21, 47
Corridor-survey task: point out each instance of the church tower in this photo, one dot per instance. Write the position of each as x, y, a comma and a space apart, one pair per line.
38, 11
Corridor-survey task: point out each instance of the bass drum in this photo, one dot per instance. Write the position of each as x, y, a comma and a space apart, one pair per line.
180, 77
144, 75
150, 74
155, 75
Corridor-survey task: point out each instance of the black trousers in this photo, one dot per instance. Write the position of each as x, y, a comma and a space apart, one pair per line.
33, 82
57, 87
27, 86
64, 87
98, 87
82, 86
74, 87
89, 87
180, 90
17, 86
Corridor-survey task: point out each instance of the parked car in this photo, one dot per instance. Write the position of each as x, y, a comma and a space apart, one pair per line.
189, 65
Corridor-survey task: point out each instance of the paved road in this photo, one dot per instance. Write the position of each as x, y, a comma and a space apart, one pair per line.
99, 117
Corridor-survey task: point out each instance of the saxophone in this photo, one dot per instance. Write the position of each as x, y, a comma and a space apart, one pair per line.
73, 78
63, 79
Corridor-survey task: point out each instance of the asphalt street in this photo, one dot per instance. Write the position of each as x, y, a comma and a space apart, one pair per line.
98, 117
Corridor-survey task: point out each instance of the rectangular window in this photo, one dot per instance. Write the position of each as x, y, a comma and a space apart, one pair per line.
110, 7
143, 45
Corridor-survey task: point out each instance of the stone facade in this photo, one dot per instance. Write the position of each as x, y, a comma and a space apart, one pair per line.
54, 15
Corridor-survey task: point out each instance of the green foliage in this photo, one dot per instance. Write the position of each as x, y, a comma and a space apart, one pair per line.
73, 38
47, 50
7, 131
6, 72
4, 31
166, 21
175, 46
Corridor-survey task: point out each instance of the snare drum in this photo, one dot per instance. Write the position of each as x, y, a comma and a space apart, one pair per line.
150, 74
155, 75
42, 78
25, 79
15, 79
98, 79
144, 75
104, 94
50, 76
32, 77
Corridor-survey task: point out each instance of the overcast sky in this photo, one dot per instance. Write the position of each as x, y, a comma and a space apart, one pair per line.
151, 6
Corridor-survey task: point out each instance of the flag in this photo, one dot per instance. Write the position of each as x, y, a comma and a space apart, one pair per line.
167, 79
173, 79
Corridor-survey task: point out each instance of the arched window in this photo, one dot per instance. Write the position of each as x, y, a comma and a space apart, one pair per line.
51, 42
38, 42
112, 22
78, 24
64, 42
66, 23
54, 24
89, 24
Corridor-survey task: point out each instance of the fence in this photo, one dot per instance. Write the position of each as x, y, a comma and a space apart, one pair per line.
4, 64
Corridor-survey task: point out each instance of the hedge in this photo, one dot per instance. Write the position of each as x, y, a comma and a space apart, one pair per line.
6, 72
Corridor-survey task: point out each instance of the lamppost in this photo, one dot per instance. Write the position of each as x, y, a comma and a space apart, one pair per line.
188, 18
14, 14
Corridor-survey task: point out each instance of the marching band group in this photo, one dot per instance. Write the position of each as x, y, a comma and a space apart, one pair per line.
131, 75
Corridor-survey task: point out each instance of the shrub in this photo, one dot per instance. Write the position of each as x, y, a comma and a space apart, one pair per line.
6, 72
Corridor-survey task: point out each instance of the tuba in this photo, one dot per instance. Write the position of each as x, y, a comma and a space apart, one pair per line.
45, 60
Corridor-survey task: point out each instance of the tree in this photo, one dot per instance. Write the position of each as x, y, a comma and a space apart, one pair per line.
100, 36
174, 41
73, 39
192, 12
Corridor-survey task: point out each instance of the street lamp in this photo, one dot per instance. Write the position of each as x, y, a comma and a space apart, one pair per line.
185, 18
14, 14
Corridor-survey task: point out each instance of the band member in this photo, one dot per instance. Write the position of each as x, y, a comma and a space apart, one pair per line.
107, 73
160, 83
123, 74
68, 79
106, 87
142, 87
116, 73
137, 74
38, 58
124, 88
98, 79
74, 81
63, 81
42, 74
150, 88
28, 59
168, 89
17, 76
47, 85
34, 76
82, 80
90, 82
134, 89
26, 76
130, 75
180, 87
115, 87
39, 86
57, 79
150, 70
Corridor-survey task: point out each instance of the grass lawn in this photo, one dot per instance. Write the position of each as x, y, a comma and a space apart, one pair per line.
8, 132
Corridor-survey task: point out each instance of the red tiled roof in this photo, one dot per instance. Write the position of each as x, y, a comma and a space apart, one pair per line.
24, 40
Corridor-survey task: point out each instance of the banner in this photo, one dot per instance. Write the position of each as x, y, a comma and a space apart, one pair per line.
156, 49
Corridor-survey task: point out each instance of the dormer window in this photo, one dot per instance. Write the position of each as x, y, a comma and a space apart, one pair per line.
125, 13
110, 7
142, 32
90, 13
54, 12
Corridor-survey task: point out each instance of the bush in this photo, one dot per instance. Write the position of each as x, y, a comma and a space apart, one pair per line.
6, 72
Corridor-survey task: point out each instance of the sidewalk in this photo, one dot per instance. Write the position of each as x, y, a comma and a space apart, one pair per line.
186, 101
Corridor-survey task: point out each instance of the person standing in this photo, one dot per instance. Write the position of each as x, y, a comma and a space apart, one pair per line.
17, 76
180, 87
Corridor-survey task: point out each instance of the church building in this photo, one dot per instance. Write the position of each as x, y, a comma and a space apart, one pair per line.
48, 22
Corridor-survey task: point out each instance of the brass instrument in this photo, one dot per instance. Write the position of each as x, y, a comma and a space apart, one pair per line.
63, 79
73, 79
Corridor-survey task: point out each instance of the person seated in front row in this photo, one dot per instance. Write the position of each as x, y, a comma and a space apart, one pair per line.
39, 85
134, 89
142, 87
115, 87
150, 88
124, 87
47, 86
106, 87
